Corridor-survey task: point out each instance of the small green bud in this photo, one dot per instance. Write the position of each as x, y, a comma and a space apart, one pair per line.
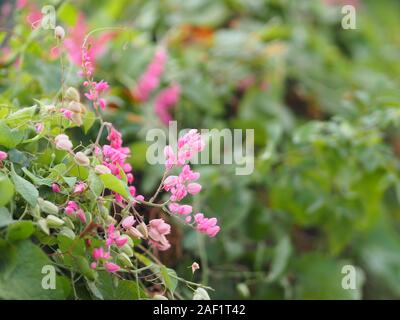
72, 94
127, 250
47, 206
54, 222
142, 228
67, 232
69, 223
42, 223
110, 220
124, 260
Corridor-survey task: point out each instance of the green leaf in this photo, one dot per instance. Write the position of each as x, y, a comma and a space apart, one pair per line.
20, 230
281, 257
124, 290
36, 180
95, 183
113, 183
7, 190
170, 278
21, 276
82, 265
5, 217
320, 277
26, 189
88, 121
70, 181
9, 138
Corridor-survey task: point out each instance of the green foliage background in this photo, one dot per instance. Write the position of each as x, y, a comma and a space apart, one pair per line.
325, 191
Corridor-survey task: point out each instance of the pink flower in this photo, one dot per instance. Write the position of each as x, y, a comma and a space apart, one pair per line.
165, 100
39, 127
72, 206
170, 182
66, 113
206, 225
132, 190
128, 222
55, 187
195, 266
193, 188
80, 187
62, 142
151, 77
3, 155
81, 215
101, 86
98, 253
158, 229
180, 209
121, 240
111, 267
188, 146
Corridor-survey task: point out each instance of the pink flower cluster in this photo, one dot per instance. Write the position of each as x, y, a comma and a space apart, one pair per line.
188, 145
114, 157
73, 209
79, 188
206, 225
158, 229
95, 89
183, 184
151, 77
102, 256
165, 100
114, 237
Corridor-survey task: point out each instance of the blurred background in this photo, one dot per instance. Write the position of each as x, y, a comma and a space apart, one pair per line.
324, 103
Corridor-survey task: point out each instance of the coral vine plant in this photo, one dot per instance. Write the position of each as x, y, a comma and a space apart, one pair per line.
80, 204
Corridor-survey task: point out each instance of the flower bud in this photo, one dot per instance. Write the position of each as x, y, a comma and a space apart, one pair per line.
72, 94
75, 106
42, 223
110, 220
76, 118
127, 250
195, 266
47, 206
67, 232
142, 228
124, 260
3, 155
193, 188
128, 222
53, 221
82, 159
55, 187
59, 32
101, 169
63, 142
69, 223
134, 233
121, 241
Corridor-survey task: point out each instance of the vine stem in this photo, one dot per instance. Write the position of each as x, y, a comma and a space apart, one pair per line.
159, 187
